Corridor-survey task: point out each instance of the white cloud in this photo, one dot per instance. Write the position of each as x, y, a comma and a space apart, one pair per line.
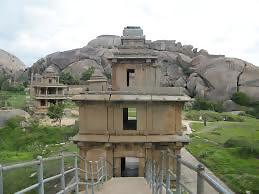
37, 28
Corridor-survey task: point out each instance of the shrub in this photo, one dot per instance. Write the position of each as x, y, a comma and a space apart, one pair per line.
241, 98
203, 104
232, 117
87, 74
212, 116
68, 79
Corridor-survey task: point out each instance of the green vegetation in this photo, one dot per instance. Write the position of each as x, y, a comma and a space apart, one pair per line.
13, 99
23, 141
20, 140
56, 112
230, 150
203, 104
87, 74
212, 116
241, 98
244, 100
68, 79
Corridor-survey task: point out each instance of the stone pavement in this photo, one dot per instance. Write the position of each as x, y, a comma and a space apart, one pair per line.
125, 185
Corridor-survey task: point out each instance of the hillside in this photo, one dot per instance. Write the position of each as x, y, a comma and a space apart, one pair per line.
10, 63
215, 77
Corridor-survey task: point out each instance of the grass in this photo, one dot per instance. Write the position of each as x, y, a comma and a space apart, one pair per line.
24, 142
14, 99
230, 150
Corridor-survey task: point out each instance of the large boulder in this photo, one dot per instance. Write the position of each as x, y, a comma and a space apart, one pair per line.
10, 113
105, 41
10, 63
77, 68
220, 74
229, 105
215, 77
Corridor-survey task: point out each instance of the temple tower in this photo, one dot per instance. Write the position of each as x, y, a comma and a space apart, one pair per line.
135, 120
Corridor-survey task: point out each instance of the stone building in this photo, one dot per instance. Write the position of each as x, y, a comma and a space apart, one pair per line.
46, 89
97, 82
137, 118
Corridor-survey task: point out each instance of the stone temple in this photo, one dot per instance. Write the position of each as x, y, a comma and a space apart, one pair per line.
46, 89
135, 119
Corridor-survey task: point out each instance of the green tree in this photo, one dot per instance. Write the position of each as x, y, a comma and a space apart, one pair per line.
87, 74
68, 79
56, 112
241, 98
203, 104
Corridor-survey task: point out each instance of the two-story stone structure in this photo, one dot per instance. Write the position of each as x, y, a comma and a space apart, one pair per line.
137, 118
46, 89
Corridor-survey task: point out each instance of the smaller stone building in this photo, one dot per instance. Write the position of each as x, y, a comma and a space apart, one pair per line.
97, 82
46, 89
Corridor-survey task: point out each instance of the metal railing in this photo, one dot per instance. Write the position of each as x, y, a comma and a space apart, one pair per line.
91, 177
159, 176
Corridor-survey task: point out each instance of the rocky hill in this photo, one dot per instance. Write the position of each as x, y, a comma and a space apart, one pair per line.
215, 77
10, 64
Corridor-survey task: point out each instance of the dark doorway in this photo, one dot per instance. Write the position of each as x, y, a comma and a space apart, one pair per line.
129, 167
123, 167
129, 119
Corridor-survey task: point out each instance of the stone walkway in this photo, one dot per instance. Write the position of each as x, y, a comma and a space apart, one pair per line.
125, 185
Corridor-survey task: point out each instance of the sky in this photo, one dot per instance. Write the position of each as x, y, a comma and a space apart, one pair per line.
31, 29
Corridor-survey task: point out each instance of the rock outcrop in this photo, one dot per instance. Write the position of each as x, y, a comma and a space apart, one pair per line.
215, 77
10, 64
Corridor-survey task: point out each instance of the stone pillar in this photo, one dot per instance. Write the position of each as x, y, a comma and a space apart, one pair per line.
46, 91
148, 151
141, 169
117, 167
109, 158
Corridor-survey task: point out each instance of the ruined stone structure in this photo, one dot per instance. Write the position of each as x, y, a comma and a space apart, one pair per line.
97, 82
46, 89
137, 118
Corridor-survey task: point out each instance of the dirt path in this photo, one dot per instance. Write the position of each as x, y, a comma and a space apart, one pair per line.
189, 177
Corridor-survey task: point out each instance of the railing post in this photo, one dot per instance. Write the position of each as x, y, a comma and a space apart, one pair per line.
200, 180
106, 170
103, 165
40, 176
161, 177
76, 174
97, 174
178, 174
86, 177
167, 160
153, 177
92, 176
62, 179
1, 180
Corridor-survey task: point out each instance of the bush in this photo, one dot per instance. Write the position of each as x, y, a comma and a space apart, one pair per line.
241, 98
203, 104
68, 79
87, 74
212, 116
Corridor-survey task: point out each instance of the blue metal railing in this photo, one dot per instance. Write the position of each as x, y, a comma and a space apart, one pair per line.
97, 172
159, 176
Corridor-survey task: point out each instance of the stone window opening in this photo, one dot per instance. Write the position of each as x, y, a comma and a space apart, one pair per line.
129, 119
42, 103
130, 77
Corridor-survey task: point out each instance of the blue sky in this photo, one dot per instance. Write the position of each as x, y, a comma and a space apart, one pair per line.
31, 29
